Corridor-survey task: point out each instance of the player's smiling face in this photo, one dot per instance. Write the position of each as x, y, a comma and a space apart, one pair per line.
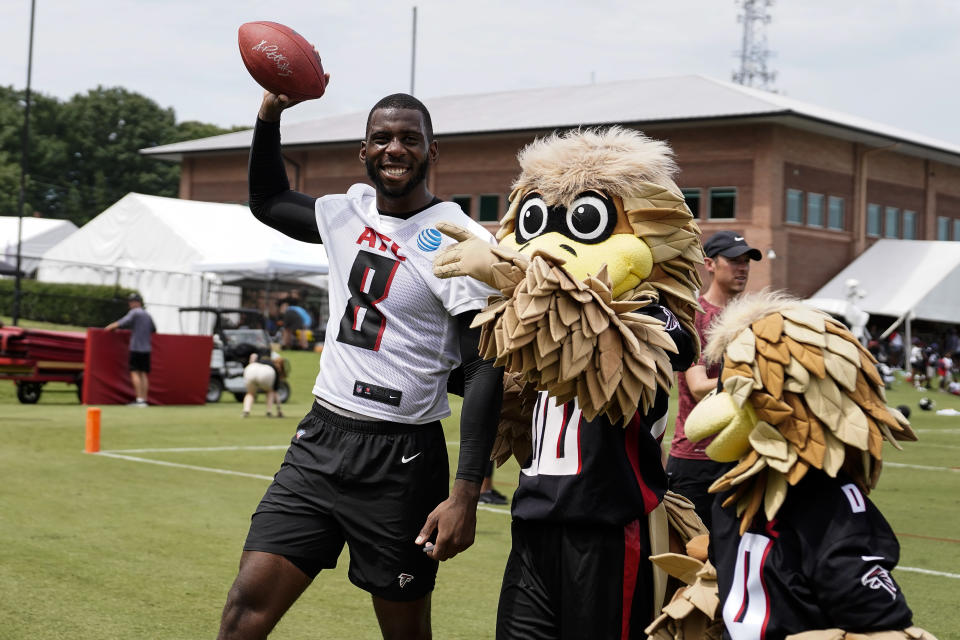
396, 152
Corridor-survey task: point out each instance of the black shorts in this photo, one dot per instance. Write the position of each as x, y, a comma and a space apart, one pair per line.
691, 479
369, 484
566, 581
140, 361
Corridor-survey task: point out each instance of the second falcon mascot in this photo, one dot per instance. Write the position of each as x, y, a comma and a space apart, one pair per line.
596, 266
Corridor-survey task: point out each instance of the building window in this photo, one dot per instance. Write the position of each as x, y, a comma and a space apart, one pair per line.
815, 209
956, 229
723, 203
794, 206
692, 196
489, 207
909, 225
873, 220
943, 228
835, 213
464, 202
891, 227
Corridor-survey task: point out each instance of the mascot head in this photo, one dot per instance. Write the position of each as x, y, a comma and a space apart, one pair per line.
799, 391
600, 197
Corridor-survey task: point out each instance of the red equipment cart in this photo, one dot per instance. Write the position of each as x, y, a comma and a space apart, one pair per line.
34, 357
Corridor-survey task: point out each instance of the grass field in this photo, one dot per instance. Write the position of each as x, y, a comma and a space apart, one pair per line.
146, 545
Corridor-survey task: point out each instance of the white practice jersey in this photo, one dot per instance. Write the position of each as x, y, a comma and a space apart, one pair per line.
391, 338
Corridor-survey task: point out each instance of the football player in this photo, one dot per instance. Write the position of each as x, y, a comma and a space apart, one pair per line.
368, 464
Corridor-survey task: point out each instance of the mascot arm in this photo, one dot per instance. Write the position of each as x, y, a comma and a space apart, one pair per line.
471, 256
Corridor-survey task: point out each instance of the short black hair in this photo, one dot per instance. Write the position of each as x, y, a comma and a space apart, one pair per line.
403, 101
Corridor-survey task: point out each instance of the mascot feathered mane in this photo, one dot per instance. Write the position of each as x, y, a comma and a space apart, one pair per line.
799, 391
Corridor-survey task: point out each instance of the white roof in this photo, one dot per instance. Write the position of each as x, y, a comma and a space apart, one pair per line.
158, 244
897, 276
36, 236
649, 101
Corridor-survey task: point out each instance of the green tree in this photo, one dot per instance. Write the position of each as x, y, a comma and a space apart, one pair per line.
44, 148
83, 153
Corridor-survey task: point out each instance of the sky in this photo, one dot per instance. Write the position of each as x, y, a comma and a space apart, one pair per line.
896, 62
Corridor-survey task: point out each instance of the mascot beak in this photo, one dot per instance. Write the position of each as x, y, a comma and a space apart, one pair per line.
718, 414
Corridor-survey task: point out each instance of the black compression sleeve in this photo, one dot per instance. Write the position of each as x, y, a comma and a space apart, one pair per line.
483, 393
271, 200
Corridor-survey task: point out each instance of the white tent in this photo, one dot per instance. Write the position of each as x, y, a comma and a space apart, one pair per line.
896, 277
37, 236
273, 257
906, 279
154, 245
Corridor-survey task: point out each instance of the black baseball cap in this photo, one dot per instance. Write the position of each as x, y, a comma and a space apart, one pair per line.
729, 245
134, 297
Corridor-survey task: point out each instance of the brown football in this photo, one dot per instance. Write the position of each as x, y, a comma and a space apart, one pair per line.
281, 60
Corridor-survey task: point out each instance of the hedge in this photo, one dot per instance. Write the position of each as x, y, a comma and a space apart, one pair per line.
81, 305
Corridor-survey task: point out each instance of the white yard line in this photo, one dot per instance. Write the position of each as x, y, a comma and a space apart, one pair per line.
953, 431
504, 510
902, 465
163, 463
942, 574
268, 447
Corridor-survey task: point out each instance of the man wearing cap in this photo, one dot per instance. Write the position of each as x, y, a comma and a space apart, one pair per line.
690, 472
141, 328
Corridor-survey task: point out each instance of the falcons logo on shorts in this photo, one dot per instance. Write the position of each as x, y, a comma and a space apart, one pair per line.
405, 579
879, 578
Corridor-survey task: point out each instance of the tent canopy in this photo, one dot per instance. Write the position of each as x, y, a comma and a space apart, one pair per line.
38, 235
898, 276
153, 244
270, 256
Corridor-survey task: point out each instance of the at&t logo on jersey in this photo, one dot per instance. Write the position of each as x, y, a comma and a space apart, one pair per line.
429, 240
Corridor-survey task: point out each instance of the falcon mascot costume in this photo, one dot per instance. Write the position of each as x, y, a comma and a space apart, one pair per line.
597, 272
799, 549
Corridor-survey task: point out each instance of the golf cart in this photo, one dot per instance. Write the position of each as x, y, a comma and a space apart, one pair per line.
237, 333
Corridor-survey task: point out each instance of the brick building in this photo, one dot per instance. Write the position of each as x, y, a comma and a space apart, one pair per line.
812, 188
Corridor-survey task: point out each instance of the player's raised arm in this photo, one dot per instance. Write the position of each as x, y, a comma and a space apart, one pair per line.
271, 199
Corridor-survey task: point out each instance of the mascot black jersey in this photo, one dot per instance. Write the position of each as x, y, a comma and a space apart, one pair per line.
593, 471
824, 562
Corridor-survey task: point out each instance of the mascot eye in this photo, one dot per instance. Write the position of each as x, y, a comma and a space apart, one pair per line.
532, 219
589, 216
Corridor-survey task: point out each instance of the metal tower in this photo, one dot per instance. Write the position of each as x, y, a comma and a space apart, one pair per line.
753, 53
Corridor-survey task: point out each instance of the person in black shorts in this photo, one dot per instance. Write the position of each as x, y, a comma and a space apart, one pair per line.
367, 467
142, 328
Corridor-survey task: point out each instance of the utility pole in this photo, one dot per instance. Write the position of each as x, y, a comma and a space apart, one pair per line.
24, 166
753, 52
413, 52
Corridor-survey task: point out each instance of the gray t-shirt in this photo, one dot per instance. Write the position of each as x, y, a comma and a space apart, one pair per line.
141, 326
